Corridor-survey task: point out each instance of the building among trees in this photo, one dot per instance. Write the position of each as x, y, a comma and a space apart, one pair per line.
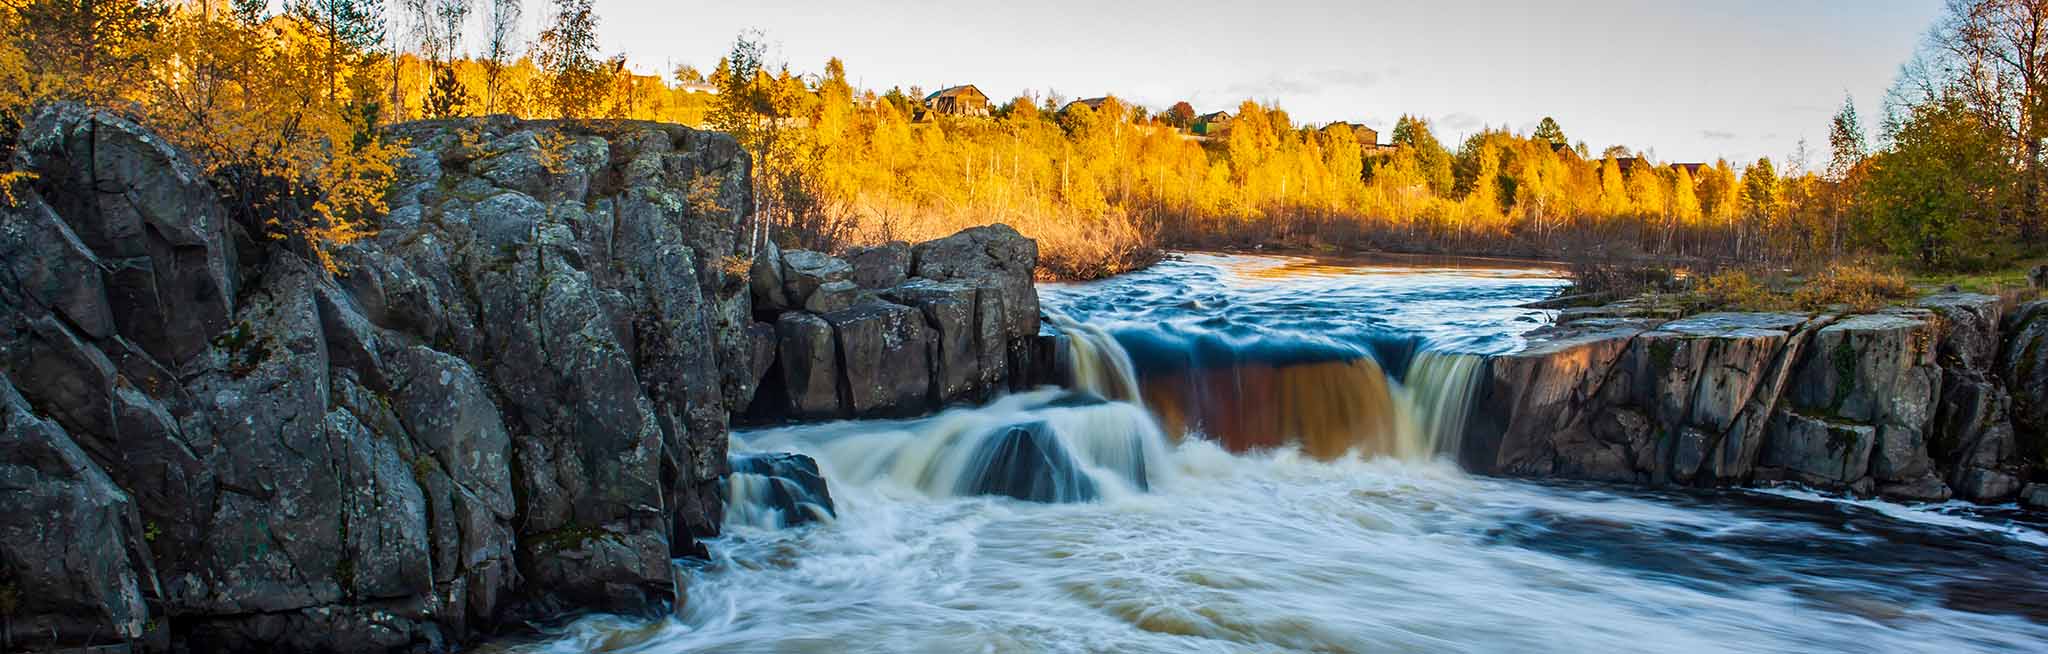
964, 100
1212, 124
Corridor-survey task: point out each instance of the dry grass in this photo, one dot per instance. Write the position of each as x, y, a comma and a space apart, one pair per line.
1859, 288
1069, 247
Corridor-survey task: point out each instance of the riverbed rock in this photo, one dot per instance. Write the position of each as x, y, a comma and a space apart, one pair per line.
1028, 462
884, 351
948, 310
785, 483
1000, 263
1877, 370
1973, 439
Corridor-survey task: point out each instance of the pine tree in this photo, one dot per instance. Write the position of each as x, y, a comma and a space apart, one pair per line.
345, 31
1845, 141
1547, 130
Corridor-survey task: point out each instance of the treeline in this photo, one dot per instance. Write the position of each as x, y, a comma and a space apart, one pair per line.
285, 108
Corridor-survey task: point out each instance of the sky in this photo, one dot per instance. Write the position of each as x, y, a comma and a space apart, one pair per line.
1684, 81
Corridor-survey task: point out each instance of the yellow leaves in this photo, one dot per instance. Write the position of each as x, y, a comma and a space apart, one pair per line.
353, 184
9, 182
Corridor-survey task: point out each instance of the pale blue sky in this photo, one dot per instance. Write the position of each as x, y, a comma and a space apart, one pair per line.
1689, 80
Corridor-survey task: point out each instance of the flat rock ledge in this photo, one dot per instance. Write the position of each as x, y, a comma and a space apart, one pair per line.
1939, 400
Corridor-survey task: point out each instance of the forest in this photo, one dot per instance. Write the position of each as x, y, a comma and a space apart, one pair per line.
284, 106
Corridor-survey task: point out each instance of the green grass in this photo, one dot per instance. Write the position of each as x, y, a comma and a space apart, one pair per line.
1991, 282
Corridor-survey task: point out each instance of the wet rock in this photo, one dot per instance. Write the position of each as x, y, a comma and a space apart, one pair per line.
1973, 440
781, 488
884, 351
1029, 463
2034, 496
76, 568
1532, 416
880, 266
809, 362
1876, 370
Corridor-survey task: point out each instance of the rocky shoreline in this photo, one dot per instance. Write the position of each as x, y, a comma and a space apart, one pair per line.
1944, 399
511, 404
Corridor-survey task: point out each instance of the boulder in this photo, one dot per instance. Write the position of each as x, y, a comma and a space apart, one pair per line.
1027, 462
2034, 496
877, 267
1000, 263
765, 282
832, 296
809, 362
778, 489
805, 271
884, 351
1818, 451
949, 311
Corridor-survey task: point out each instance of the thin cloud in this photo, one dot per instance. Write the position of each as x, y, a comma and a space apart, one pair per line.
1717, 135
1284, 87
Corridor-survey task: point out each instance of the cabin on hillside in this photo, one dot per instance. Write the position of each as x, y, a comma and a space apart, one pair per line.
697, 87
1692, 169
963, 101
1094, 104
1212, 124
1368, 138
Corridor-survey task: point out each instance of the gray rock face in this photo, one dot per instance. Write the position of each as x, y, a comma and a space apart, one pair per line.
514, 403
70, 541
884, 351
2023, 366
1000, 263
1915, 404
805, 272
809, 361
956, 355
1687, 402
880, 266
1973, 433
1877, 370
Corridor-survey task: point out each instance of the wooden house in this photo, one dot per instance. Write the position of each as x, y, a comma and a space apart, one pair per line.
964, 101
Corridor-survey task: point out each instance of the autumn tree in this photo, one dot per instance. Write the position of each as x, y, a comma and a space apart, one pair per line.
1943, 194
567, 53
90, 50
1179, 116
1433, 161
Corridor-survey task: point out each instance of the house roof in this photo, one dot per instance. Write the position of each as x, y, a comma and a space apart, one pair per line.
1093, 103
954, 91
1213, 117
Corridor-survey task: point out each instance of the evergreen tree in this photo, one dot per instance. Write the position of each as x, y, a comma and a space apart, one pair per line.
1547, 130
1845, 141
346, 31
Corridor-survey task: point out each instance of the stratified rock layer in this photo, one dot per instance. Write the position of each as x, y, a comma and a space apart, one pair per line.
1909, 403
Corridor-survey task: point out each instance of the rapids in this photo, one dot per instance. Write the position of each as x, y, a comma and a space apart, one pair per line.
1254, 463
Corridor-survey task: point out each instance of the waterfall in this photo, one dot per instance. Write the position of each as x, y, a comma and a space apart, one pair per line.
1044, 446
1100, 364
771, 490
1442, 385
1329, 401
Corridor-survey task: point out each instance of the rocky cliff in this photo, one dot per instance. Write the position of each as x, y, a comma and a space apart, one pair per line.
511, 403
1913, 403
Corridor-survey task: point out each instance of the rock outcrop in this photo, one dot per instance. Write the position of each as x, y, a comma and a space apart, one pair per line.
895, 330
1908, 403
508, 404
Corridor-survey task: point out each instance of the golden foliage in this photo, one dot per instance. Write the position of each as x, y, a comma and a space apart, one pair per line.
1859, 288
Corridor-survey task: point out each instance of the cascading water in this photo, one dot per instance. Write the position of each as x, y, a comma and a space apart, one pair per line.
1057, 520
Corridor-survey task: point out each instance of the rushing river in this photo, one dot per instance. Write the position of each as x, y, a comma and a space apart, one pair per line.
1272, 480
